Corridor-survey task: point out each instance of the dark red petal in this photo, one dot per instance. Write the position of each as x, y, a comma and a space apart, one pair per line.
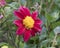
33, 32
27, 35
34, 14
18, 23
18, 14
22, 11
38, 21
37, 28
25, 11
20, 31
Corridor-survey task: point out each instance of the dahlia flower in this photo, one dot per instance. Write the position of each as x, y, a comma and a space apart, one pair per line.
2, 3
28, 23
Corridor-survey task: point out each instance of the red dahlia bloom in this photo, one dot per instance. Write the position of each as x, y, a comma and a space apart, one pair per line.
28, 24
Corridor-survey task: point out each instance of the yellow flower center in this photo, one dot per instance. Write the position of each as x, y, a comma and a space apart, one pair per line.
28, 22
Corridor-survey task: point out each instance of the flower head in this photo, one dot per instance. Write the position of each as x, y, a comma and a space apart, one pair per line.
28, 24
2, 3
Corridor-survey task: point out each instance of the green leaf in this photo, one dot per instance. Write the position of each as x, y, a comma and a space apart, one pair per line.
54, 25
49, 17
29, 45
55, 15
14, 5
8, 0
45, 42
52, 16
21, 45
3, 43
49, 1
58, 40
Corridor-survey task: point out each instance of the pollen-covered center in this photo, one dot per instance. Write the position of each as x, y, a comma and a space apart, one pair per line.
28, 22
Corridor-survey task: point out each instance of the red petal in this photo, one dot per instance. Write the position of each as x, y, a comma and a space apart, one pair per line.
18, 14
38, 21
34, 14
37, 28
18, 23
21, 10
33, 32
20, 31
25, 11
27, 35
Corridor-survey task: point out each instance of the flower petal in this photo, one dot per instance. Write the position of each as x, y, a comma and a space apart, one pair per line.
25, 10
37, 28
18, 23
20, 31
33, 32
34, 14
18, 14
38, 21
27, 35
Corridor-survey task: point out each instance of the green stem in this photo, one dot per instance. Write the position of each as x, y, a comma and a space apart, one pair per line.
52, 2
17, 41
41, 5
38, 42
54, 41
19, 2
